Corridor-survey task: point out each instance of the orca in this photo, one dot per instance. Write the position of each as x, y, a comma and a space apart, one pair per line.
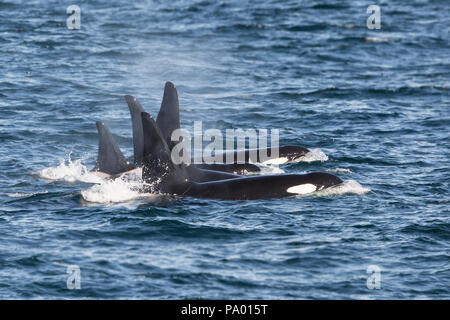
264, 187
163, 176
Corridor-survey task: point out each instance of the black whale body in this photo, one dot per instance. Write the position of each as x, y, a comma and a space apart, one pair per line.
260, 187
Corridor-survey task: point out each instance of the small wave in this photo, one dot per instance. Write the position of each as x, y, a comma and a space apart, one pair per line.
375, 39
23, 195
343, 170
347, 187
69, 171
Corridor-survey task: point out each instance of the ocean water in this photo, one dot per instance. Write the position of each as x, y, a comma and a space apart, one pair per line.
372, 104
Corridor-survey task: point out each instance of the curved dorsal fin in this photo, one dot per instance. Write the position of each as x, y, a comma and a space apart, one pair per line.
110, 159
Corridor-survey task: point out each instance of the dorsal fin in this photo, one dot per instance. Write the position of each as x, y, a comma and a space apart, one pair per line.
158, 168
110, 159
168, 118
155, 145
157, 164
136, 122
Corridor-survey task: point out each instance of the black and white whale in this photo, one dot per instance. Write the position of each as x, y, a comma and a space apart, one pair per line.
168, 120
111, 163
162, 175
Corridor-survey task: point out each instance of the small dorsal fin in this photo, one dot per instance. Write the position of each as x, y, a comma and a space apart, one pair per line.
168, 118
110, 159
136, 122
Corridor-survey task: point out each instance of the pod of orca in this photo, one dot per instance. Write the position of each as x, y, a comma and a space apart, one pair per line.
152, 161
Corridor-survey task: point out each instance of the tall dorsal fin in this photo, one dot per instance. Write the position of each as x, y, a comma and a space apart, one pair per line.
168, 118
110, 159
136, 122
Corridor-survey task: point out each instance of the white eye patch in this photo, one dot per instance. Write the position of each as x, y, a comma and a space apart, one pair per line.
276, 161
302, 188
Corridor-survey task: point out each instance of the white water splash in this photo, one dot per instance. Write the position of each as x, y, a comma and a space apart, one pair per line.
111, 191
314, 155
347, 187
69, 171
105, 190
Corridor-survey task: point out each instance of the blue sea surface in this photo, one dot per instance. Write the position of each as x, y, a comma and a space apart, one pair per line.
374, 104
